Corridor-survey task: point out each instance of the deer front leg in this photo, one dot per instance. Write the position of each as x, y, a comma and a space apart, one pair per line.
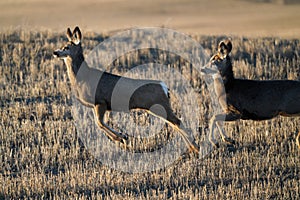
224, 137
100, 110
212, 124
216, 120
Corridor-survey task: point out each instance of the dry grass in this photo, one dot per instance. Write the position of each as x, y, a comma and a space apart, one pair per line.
42, 156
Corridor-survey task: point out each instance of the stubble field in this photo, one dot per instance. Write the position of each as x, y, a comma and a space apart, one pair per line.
42, 155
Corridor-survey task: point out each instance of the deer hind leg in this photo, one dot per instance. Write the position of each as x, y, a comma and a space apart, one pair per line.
169, 117
100, 110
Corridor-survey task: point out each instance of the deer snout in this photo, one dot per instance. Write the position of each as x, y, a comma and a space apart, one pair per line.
59, 54
55, 54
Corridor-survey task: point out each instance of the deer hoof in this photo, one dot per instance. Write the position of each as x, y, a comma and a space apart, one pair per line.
124, 136
193, 149
215, 144
229, 141
298, 140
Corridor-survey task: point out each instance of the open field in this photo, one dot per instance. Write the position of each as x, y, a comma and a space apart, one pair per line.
41, 152
42, 155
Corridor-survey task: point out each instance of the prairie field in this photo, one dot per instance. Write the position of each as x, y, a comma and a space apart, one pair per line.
44, 157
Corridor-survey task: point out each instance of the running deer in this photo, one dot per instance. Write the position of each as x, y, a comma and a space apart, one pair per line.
248, 99
98, 94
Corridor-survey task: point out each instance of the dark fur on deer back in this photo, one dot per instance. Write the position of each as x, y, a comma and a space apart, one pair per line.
121, 93
260, 100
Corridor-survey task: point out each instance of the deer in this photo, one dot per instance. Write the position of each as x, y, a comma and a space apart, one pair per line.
248, 99
94, 89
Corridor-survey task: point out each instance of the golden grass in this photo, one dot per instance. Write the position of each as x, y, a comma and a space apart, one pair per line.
43, 157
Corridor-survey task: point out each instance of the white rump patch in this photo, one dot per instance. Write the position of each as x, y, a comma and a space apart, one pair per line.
165, 88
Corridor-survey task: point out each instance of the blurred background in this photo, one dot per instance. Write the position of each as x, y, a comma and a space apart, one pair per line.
210, 17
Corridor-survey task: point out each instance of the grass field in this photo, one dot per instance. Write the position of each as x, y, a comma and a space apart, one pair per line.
42, 155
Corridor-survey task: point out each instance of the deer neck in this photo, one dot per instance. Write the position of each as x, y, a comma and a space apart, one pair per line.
227, 75
73, 66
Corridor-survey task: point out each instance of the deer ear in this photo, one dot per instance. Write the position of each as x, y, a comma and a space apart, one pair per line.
76, 35
69, 34
229, 45
222, 48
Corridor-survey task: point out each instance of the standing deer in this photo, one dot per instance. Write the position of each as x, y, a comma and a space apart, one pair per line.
248, 99
98, 94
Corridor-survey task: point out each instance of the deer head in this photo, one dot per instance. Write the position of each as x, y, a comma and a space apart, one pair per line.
73, 48
72, 52
222, 60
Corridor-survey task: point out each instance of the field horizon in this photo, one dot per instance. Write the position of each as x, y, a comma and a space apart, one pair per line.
247, 18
